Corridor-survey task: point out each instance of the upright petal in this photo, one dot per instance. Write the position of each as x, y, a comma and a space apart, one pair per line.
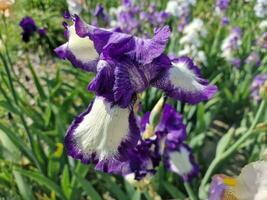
111, 44
182, 81
103, 132
79, 51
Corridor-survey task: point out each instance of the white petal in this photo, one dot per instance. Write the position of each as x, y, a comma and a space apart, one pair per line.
184, 78
82, 48
102, 129
180, 161
252, 182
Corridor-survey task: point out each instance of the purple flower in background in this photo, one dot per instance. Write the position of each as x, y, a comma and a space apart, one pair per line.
253, 59
231, 45
101, 15
257, 83
217, 188
29, 27
169, 138
42, 32
222, 5
125, 65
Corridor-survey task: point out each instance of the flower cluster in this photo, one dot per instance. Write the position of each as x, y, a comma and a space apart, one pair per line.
29, 27
191, 40
180, 9
261, 8
130, 17
107, 133
220, 9
230, 46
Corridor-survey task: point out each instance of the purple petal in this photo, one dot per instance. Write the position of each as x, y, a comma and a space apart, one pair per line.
183, 82
217, 188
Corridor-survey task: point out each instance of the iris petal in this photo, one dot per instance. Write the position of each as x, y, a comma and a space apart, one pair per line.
100, 132
183, 82
79, 51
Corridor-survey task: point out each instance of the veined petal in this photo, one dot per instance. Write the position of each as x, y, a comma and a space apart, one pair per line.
103, 82
111, 44
79, 51
181, 162
103, 132
182, 81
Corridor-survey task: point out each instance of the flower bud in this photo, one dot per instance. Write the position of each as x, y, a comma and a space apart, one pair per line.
156, 112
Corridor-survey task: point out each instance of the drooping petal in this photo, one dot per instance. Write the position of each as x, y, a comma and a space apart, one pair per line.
181, 162
79, 51
103, 132
182, 81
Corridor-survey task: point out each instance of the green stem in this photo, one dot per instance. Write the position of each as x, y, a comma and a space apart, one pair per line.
239, 142
214, 164
190, 191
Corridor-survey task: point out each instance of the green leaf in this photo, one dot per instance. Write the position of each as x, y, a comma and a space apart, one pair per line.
65, 182
23, 186
17, 141
37, 83
173, 191
88, 188
113, 187
224, 142
42, 180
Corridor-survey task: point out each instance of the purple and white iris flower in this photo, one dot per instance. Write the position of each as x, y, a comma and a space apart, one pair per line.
107, 133
168, 144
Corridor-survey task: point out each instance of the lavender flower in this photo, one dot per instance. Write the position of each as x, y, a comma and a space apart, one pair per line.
124, 65
257, 83
221, 6
101, 15
230, 46
253, 59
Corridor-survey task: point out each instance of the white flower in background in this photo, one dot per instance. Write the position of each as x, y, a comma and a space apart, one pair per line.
75, 6
231, 44
260, 8
251, 184
191, 40
179, 7
263, 25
